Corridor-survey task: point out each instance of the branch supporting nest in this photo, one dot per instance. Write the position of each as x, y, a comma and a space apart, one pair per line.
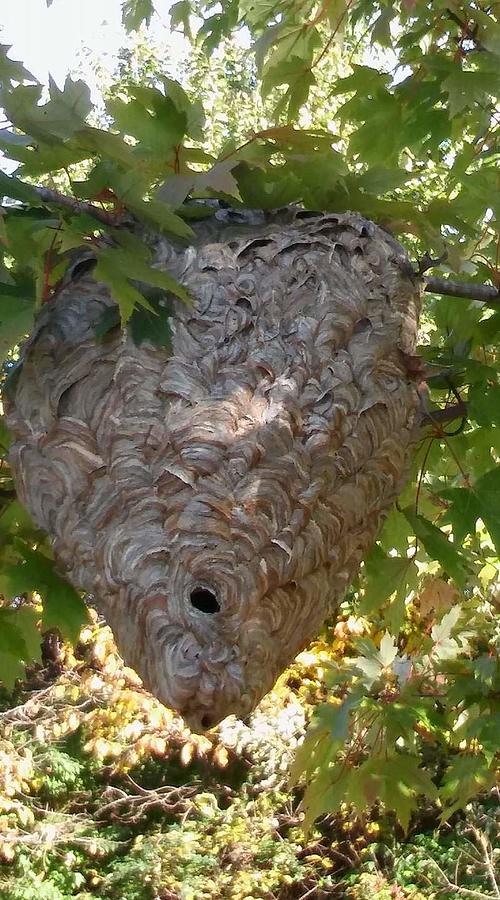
466, 290
448, 414
105, 216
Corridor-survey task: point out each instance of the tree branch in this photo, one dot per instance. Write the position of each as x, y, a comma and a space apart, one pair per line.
485, 293
448, 414
468, 290
105, 216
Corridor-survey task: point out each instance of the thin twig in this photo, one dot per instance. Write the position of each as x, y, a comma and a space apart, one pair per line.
458, 888
485, 847
130, 808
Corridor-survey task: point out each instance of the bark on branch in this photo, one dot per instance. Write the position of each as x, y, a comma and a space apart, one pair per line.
467, 290
448, 414
105, 216
486, 293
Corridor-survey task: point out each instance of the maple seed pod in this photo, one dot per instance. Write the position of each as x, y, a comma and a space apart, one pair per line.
217, 496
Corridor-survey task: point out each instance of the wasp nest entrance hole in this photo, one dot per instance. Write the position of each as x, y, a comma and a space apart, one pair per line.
205, 601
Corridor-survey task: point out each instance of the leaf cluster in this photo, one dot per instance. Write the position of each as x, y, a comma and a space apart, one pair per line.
408, 137
66, 827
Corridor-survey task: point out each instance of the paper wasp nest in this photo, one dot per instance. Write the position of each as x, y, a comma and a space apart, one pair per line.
217, 497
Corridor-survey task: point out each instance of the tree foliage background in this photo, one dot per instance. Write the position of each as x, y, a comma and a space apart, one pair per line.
388, 109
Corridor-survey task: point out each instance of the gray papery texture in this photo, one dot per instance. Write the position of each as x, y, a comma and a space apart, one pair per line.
255, 459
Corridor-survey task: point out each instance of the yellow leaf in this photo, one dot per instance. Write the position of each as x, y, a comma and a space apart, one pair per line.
220, 757
132, 677
186, 754
202, 745
73, 721
158, 745
7, 852
356, 625
438, 596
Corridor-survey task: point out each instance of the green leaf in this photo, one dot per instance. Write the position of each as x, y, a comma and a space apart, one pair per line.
177, 94
439, 547
152, 326
63, 608
489, 33
11, 639
377, 140
163, 217
372, 661
381, 32
309, 756
465, 778
290, 61
42, 157
220, 179
16, 319
396, 532
484, 403
4, 441
481, 501
191, 109
117, 268
12, 138
298, 93
486, 728
11, 669
12, 187
384, 576
123, 292
466, 88
109, 146
176, 188
365, 81
61, 117
158, 278
109, 320
15, 521
370, 667
20, 642
487, 493
68, 109
380, 179
326, 794
159, 131
180, 15
24, 621
212, 31
489, 328
328, 731
135, 12
326, 735
11, 70
396, 780
463, 512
